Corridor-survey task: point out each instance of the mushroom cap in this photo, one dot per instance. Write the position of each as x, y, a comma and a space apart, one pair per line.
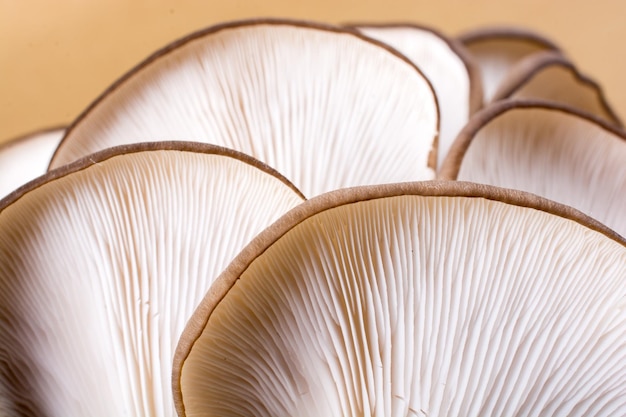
414, 299
547, 149
326, 107
498, 49
27, 157
550, 76
102, 263
445, 62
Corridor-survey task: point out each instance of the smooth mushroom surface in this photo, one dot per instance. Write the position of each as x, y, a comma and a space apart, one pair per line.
454, 75
326, 107
103, 262
498, 49
550, 76
422, 299
27, 157
546, 149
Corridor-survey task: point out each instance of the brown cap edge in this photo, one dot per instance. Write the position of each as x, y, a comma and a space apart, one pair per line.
269, 236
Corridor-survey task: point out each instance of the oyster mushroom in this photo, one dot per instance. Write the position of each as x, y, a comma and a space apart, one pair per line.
103, 261
304, 98
445, 62
410, 300
498, 49
547, 149
27, 157
550, 76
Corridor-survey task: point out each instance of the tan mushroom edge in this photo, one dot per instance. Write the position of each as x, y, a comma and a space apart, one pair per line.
473, 70
432, 158
452, 164
104, 155
486, 34
316, 205
530, 66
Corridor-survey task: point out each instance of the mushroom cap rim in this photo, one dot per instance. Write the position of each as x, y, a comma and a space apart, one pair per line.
196, 35
541, 60
471, 66
437, 188
452, 163
109, 153
519, 33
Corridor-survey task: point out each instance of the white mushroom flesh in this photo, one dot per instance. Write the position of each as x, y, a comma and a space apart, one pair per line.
100, 270
554, 154
442, 66
326, 108
419, 306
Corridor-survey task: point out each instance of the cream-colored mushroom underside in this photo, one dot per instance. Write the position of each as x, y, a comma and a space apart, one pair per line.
327, 110
445, 70
556, 155
100, 270
412, 306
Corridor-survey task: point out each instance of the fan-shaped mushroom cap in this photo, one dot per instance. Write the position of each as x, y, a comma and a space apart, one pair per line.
326, 107
452, 72
102, 265
550, 76
498, 49
414, 299
549, 150
25, 158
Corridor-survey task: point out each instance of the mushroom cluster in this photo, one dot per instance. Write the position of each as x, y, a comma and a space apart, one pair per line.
284, 218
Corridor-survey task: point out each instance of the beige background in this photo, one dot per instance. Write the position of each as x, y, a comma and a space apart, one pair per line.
56, 56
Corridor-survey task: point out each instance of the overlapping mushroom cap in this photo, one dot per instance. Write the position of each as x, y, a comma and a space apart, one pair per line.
498, 49
550, 76
303, 98
102, 263
406, 299
414, 299
553, 151
452, 71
